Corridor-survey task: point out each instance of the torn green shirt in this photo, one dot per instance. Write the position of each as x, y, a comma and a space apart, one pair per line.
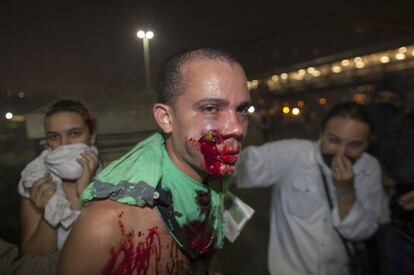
147, 176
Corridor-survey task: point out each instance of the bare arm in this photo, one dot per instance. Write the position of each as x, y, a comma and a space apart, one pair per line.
98, 233
92, 236
114, 238
38, 237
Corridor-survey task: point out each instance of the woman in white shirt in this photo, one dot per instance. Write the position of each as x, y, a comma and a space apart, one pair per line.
50, 190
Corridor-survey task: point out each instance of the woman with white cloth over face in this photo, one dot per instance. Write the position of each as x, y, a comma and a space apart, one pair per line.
52, 183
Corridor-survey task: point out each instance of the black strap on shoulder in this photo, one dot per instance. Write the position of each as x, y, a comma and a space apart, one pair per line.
164, 205
328, 197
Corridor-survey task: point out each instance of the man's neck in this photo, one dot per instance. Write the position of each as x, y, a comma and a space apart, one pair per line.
198, 176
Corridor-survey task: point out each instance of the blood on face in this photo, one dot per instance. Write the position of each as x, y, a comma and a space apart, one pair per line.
219, 152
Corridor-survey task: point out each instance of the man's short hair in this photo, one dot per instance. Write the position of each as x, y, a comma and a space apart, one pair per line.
170, 83
350, 110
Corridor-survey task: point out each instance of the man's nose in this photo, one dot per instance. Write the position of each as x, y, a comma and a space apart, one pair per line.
234, 126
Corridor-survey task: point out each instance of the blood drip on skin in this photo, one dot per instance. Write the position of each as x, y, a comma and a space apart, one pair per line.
200, 235
216, 153
176, 265
199, 238
132, 257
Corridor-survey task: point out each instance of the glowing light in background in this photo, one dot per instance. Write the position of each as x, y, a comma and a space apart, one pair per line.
336, 69
402, 50
316, 73
400, 56
8, 115
252, 84
149, 34
141, 34
384, 59
345, 62
322, 101
286, 110
360, 98
365, 62
275, 77
295, 111
251, 109
357, 59
360, 65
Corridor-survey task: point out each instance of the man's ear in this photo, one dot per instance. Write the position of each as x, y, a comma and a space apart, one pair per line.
163, 116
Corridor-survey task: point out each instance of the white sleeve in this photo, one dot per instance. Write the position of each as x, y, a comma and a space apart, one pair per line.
262, 166
363, 219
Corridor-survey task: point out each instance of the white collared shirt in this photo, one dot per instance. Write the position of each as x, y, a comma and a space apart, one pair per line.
302, 236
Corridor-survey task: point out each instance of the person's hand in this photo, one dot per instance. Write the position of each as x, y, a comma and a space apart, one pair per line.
89, 162
41, 191
407, 200
342, 174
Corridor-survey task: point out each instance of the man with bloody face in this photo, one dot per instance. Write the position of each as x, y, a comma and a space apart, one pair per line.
325, 193
158, 209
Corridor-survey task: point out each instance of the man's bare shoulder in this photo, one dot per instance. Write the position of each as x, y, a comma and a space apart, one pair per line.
100, 229
105, 217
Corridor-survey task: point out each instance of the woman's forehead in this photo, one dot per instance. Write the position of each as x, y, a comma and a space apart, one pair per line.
64, 120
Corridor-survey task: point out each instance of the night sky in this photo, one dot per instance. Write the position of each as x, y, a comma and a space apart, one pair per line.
88, 47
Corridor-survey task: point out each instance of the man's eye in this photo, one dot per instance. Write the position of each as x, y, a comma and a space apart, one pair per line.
210, 109
243, 110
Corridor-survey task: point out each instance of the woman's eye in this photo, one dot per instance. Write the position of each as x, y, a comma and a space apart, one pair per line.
52, 137
333, 140
75, 134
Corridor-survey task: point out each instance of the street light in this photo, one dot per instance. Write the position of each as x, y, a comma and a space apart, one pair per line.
146, 36
9, 115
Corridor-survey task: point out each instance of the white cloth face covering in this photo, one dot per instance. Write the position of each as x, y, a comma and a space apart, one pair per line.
62, 164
